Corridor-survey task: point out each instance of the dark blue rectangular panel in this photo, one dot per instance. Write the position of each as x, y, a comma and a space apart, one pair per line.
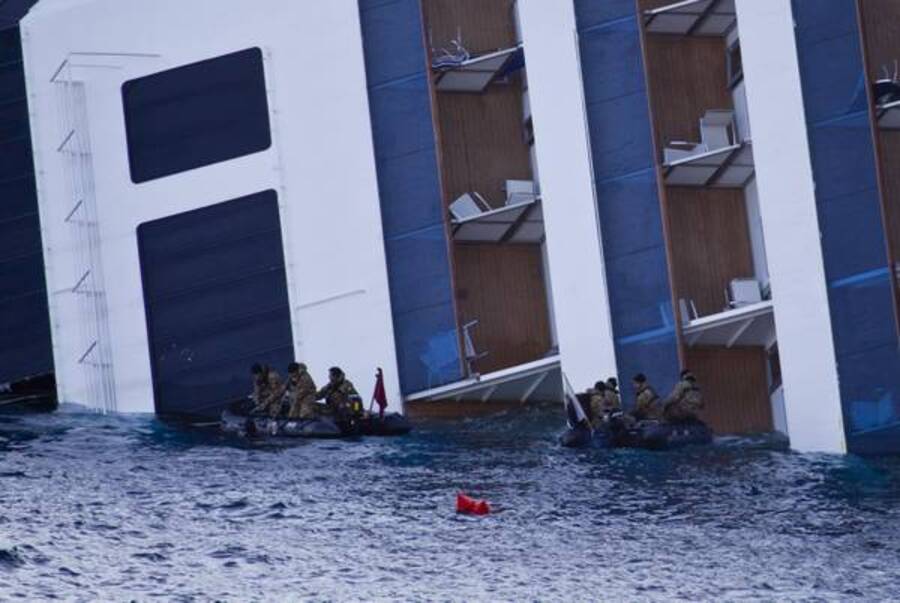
843, 156
19, 278
626, 207
18, 197
871, 401
621, 137
615, 52
863, 312
16, 154
20, 236
836, 87
221, 263
412, 210
412, 177
13, 118
602, 13
12, 11
216, 301
397, 32
428, 347
820, 20
25, 348
25, 336
196, 115
420, 258
860, 294
10, 44
627, 191
401, 121
641, 297
846, 222
12, 80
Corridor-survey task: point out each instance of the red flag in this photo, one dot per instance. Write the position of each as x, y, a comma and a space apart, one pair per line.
379, 396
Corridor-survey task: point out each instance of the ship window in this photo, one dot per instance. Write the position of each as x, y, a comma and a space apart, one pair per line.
216, 301
196, 115
735, 65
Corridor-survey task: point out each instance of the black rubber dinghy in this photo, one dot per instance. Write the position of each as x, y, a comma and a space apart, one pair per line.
392, 424
649, 435
654, 435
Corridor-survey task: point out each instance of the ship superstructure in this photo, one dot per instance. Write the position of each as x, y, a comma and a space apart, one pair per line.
483, 198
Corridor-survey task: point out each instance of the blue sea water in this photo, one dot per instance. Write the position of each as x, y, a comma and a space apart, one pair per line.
129, 508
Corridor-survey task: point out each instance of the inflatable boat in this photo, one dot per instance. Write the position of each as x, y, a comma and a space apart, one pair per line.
392, 424
654, 435
649, 435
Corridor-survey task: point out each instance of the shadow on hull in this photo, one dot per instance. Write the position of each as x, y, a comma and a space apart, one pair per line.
35, 394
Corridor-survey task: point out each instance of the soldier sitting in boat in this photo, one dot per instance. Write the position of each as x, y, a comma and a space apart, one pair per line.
300, 392
685, 402
272, 395
647, 403
340, 396
612, 400
612, 384
604, 402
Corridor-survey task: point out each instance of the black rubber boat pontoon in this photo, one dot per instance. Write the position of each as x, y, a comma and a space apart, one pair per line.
236, 422
649, 435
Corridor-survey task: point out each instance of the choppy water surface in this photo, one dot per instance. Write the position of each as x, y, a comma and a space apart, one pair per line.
128, 508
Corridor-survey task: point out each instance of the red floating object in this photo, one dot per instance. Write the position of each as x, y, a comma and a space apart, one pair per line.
471, 506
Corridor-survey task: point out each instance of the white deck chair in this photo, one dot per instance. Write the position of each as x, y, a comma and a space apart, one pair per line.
743, 292
717, 131
468, 205
520, 191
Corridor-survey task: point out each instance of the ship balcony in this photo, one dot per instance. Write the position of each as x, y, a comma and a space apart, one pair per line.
519, 220
692, 18
539, 380
747, 325
719, 160
456, 71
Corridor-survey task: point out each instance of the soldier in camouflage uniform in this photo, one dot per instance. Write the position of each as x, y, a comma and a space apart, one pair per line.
340, 396
611, 400
647, 404
612, 384
300, 392
596, 398
273, 395
685, 402
604, 401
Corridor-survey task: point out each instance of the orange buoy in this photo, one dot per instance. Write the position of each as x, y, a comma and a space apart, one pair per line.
471, 506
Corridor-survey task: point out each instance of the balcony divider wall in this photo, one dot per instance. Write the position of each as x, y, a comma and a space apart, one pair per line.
25, 345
